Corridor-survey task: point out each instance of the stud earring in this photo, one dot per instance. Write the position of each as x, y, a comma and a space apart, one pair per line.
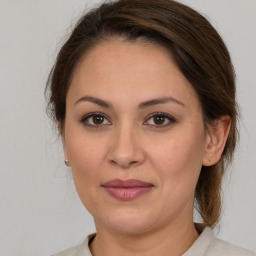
66, 161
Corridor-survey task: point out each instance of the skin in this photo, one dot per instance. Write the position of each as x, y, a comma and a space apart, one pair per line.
129, 144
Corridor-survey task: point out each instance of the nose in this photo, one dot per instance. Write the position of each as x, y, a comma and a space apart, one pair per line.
126, 150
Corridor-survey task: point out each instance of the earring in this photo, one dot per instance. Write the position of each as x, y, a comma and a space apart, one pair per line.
66, 161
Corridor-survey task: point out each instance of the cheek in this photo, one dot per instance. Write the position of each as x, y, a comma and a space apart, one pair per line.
86, 156
85, 152
178, 161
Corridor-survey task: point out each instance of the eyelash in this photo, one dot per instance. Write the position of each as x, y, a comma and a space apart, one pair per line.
98, 114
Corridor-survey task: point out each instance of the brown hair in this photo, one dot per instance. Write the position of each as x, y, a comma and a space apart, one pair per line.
197, 49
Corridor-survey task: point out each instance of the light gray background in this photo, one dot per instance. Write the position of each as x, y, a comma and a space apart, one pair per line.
39, 210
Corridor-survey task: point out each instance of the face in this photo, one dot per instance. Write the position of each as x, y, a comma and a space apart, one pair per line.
134, 137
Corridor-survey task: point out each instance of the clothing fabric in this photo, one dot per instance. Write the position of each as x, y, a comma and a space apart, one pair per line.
205, 245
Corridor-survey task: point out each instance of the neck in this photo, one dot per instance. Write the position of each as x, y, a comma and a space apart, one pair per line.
171, 240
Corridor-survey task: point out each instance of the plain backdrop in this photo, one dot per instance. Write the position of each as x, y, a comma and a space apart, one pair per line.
40, 212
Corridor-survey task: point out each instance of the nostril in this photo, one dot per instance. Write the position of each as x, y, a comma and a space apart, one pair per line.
113, 162
124, 164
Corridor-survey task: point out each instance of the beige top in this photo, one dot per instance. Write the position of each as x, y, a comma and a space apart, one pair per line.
205, 245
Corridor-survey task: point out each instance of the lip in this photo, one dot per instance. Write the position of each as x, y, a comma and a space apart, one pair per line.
127, 189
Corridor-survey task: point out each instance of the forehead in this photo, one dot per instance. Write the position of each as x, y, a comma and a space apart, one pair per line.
117, 69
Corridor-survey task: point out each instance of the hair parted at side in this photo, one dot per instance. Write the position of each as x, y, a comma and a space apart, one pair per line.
199, 52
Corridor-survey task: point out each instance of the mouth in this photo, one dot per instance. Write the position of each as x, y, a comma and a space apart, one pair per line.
127, 189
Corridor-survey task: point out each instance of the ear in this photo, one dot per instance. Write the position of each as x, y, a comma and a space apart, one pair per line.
62, 135
216, 137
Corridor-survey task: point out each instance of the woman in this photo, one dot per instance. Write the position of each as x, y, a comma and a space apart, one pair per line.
143, 94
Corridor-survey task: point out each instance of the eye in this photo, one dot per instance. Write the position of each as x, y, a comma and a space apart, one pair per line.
95, 120
160, 120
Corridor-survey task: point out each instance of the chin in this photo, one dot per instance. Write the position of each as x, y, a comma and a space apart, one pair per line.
130, 228
128, 223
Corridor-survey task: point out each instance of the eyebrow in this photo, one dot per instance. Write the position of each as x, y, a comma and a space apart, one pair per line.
142, 105
97, 101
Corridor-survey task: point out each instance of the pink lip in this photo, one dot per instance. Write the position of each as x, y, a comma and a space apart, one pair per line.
127, 189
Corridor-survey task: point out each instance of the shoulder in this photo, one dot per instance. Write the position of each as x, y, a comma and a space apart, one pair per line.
220, 247
68, 252
208, 245
81, 249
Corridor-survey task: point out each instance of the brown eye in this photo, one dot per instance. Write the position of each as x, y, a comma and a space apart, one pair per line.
98, 119
95, 120
160, 120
